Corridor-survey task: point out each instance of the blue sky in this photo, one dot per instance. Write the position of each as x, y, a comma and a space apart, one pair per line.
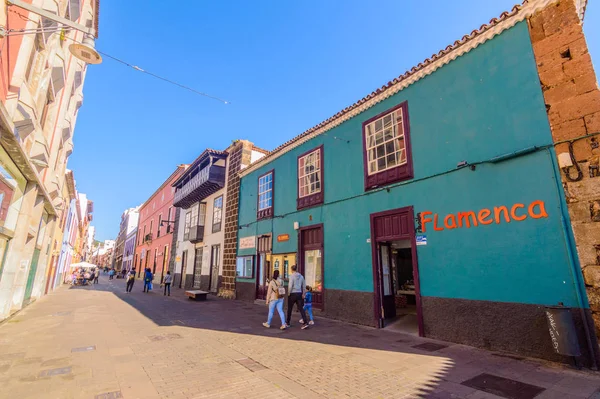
284, 66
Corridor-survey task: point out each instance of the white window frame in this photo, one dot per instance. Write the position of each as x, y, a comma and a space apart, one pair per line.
381, 134
241, 266
266, 190
306, 187
217, 214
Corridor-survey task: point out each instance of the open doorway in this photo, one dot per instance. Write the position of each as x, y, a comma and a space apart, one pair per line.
400, 301
396, 272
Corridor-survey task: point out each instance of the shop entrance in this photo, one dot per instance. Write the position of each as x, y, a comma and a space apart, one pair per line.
311, 261
396, 272
264, 266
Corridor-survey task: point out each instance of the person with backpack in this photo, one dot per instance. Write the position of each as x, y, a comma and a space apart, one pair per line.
130, 280
275, 296
148, 280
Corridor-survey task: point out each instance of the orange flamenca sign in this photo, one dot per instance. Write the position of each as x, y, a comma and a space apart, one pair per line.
497, 215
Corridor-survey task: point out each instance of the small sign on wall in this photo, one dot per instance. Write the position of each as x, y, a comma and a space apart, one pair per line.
421, 239
283, 237
178, 259
248, 242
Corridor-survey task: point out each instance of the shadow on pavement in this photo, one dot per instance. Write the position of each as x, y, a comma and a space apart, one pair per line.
436, 364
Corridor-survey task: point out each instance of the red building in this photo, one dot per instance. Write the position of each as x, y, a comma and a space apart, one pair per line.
155, 234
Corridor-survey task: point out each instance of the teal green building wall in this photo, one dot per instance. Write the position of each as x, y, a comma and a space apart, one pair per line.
485, 104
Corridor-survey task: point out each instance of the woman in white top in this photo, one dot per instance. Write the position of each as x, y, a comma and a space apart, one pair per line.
275, 295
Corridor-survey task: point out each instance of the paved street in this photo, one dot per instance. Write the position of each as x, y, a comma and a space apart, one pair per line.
99, 342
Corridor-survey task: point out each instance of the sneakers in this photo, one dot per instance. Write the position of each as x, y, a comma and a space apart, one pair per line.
283, 327
301, 321
312, 323
304, 326
266, 325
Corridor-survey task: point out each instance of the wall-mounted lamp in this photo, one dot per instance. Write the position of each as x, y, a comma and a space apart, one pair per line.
85, 51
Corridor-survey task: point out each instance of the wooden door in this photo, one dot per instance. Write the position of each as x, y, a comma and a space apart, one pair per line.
388, 226
183, 267
312, 262
264, 273
264, 268
215, 258
197, 267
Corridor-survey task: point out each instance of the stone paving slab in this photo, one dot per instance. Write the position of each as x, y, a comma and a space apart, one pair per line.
100, 342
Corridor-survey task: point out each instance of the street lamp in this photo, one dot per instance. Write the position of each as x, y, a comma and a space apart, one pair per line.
85, 51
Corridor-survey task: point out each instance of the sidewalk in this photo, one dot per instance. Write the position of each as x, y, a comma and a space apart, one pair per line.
99, 342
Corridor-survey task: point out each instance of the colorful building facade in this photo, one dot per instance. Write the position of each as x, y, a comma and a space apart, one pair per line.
201, 193
435, 205
154, 235
40, 96
125, 245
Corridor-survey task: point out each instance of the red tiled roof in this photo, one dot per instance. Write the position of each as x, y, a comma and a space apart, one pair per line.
435, 57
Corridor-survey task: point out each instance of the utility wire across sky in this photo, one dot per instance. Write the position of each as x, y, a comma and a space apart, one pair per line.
137, 68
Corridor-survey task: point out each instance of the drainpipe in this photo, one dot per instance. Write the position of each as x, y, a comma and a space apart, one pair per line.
575, 269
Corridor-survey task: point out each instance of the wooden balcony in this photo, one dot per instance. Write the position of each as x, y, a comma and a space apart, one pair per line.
206, 182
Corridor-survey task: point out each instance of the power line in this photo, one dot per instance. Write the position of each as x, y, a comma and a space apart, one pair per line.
137, 68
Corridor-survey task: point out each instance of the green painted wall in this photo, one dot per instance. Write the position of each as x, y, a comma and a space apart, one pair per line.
485, 104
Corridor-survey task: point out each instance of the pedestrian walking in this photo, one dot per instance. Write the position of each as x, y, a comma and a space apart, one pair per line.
130, 280
148, 280
96, 276
111, 274
167, 282
275, 296
297, 289
308, 305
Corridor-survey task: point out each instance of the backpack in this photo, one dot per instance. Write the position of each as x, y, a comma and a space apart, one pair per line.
280, 290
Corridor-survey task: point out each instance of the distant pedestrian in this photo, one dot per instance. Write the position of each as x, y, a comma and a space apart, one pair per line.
111, 274
130, 280
296, 288
148, 280
275, 297
167, 282
96, 275
308, 305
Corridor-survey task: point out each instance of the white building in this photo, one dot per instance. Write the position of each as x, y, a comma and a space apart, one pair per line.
201, 195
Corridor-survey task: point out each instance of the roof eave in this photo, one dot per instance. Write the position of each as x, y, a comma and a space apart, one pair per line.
460, 47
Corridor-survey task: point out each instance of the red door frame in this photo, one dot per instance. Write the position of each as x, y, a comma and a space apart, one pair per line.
300, 259
377, 288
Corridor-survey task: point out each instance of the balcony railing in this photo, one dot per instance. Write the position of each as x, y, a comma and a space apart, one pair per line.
208, 181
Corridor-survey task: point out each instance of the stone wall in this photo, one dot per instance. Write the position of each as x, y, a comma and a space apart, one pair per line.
239, 156
573, 103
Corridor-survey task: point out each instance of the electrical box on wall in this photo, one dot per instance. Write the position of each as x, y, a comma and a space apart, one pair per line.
296, 225
564, 160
